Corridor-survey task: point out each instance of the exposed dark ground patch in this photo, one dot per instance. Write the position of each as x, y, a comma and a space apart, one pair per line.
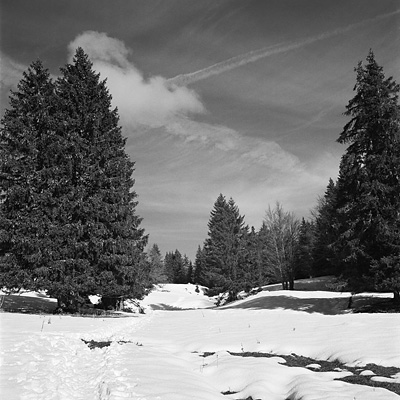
40, 304
93, 344
294, 360
377, 306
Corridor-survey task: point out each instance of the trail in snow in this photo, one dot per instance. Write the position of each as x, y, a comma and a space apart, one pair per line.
56, 363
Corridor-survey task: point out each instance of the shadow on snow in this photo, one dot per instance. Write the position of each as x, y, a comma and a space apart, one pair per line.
327, 306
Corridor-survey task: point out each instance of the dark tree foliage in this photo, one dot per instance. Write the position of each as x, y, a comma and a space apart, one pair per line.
250, 273
71, 189
368, 188
176, 267
157, 267
103, 226
188, 266
222, 247
200, 266
29, 150
303, 257
235, 258
325, 261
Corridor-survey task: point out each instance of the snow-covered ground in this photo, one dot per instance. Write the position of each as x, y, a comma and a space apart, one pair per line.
158, 355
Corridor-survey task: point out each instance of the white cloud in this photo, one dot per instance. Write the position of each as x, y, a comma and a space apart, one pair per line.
147, 102
101, 47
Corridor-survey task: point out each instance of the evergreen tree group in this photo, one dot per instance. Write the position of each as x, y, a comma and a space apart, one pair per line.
67, 214
178, 268
355, 232
235, 257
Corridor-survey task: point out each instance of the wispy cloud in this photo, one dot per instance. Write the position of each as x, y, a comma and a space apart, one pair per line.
178, 190
11, 72
245, 149
255, 55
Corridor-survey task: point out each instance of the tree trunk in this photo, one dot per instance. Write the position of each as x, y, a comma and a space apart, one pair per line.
396, 297
67, 304
350, 303
60, 303
112, 303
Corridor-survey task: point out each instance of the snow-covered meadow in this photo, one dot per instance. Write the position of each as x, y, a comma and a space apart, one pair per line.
185, 348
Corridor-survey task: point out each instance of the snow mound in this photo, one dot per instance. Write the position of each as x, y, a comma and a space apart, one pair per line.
177, 297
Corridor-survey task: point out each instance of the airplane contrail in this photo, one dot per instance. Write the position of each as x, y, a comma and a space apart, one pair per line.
254, 55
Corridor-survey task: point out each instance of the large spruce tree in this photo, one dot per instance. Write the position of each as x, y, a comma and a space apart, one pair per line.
368, 188
68, 191
105, 230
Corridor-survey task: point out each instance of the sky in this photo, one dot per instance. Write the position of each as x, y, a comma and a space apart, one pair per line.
243, 98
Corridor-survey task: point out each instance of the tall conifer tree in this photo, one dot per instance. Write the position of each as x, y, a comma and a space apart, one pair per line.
223, 244
368, 192
104, 241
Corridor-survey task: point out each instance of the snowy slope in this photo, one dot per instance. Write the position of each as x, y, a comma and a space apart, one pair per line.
170, 296
158, 355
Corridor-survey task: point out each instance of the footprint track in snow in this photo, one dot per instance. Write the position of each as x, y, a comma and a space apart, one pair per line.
61, 366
